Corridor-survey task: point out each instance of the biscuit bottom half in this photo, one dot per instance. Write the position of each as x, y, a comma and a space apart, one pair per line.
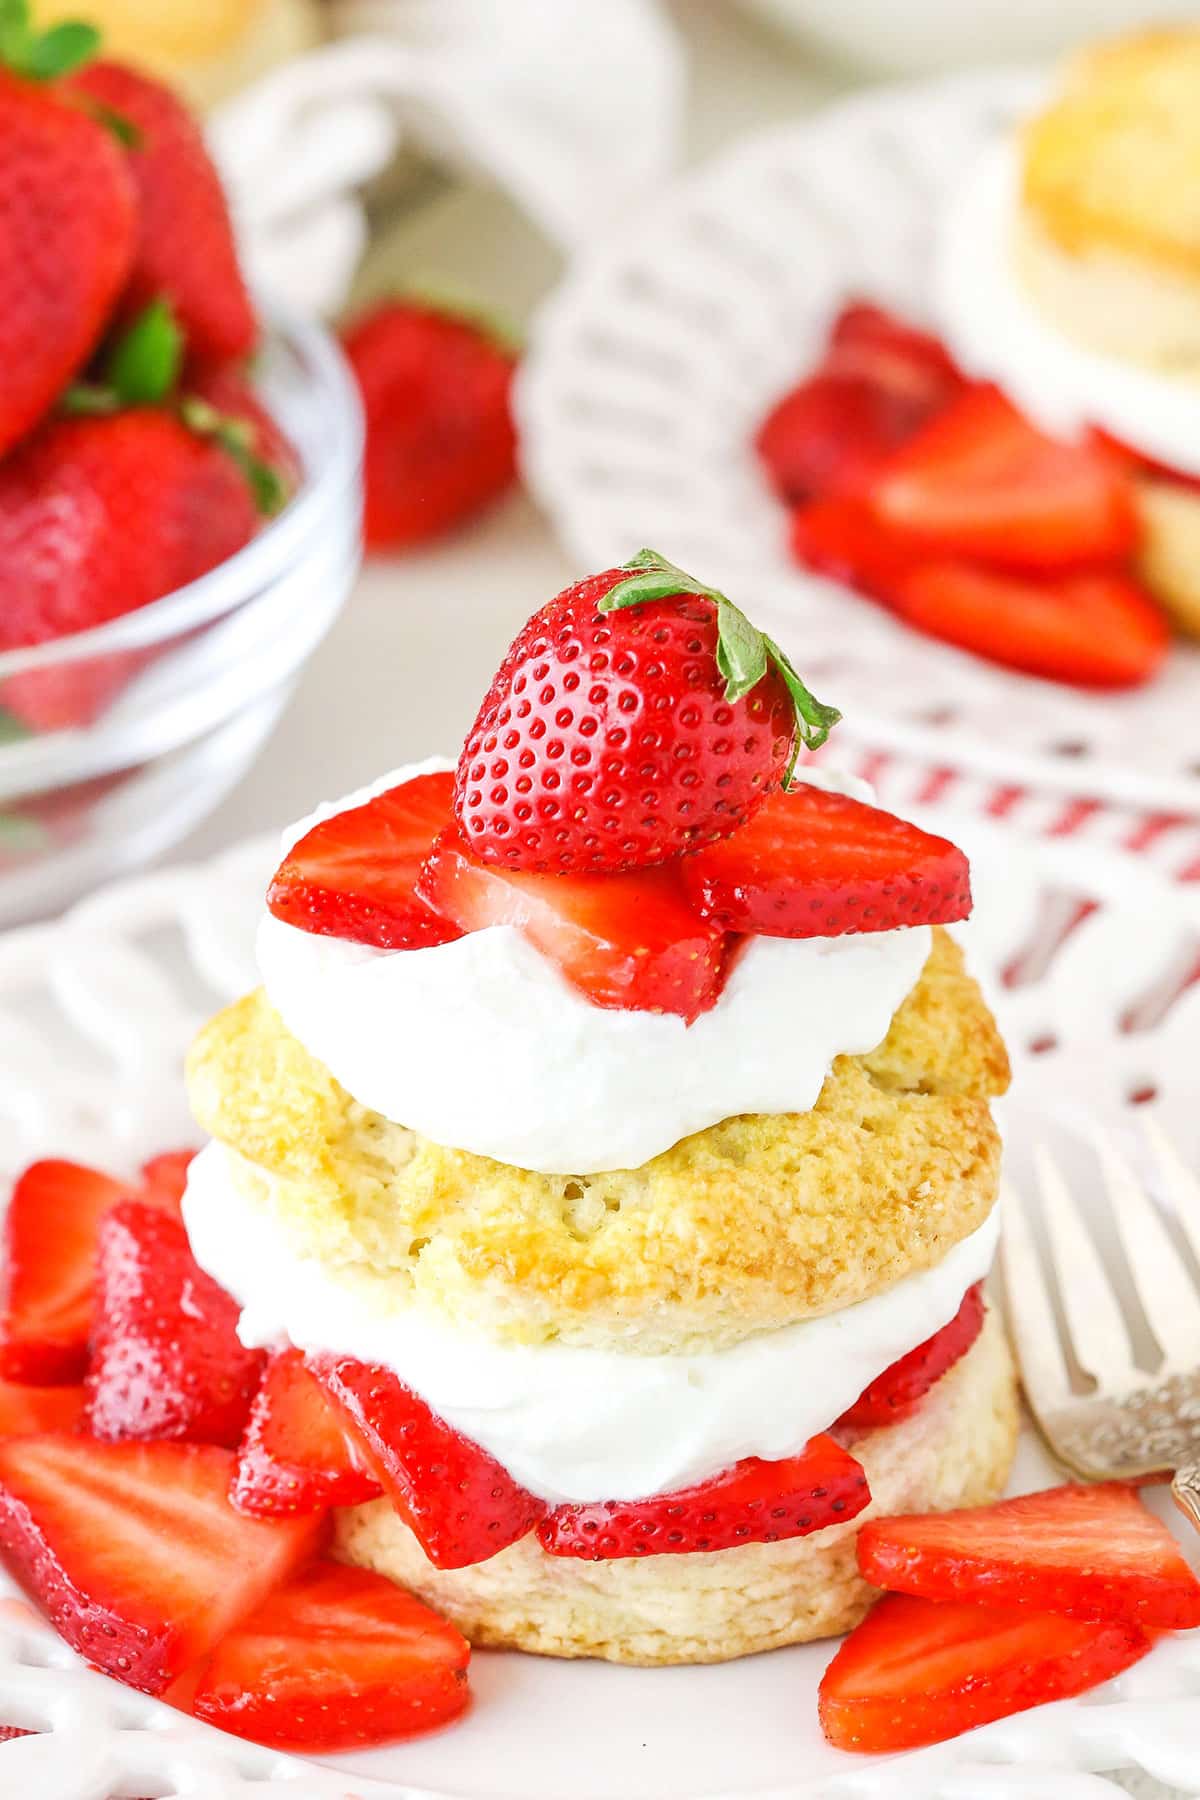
956, 1450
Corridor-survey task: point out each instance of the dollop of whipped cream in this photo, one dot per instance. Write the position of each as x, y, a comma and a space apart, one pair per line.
572, 1423
482, 1045
996, 332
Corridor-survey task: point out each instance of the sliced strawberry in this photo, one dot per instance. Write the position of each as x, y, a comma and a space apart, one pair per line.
625, 940
166, 1359
755, 1502
458, 1501
337, 1660
818, 864
164, 1179
296, 1455
866, 340
27, 1411
48, 1270
981, 481
134, 1551
354, 876
914, 1673
1094, 629
897, 1393
1089, 1552
841, 539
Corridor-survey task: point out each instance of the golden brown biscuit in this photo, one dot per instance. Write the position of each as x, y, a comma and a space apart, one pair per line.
709, 1607
1169, 558
751, 1224
1110, 241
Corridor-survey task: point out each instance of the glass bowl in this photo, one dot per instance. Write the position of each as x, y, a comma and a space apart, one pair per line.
198, 678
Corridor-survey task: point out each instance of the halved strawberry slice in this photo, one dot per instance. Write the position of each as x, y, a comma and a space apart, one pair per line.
897, 1393
337, 1660
625, 940
841, 538
354, 876
48, 1269
28, 1411
915, 1673
134, 1551
297, 1455
829, 435
867, 340
754, 1502
1094, 628
816, 864
981, 481
164, 1179
166, 1358
456, 1499
1089, 1552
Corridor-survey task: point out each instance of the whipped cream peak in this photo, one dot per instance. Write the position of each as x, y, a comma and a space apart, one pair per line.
573, 1423
997, 333
482, 1045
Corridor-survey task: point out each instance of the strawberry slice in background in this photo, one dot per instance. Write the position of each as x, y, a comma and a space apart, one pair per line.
816, 864
868, 340
916, 1673
48, 1270
29, 1411
68, 225
164, 1179
841, 539
625, 940
1088, 1552
185, 250
897, 1393
339, 1659
755, 1502
355, 875
456, 1499
441, 444
980, 481
1091, 628
134, 1552
297, 1454
166, 1358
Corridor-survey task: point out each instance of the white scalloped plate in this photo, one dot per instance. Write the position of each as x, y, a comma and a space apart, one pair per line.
653, 363
95, 1015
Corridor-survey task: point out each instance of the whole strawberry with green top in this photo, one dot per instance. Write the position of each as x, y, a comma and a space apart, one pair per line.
637, 716
68, 220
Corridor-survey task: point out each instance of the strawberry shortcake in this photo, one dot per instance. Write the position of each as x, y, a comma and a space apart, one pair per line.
605, 1163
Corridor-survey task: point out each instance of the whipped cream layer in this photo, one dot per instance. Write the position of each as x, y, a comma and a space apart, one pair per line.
996, 331
570, 1423
483, 1045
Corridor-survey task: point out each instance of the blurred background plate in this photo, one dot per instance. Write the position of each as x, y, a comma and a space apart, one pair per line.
654, 362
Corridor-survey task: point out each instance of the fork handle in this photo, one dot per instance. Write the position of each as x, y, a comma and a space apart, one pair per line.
1185, 1491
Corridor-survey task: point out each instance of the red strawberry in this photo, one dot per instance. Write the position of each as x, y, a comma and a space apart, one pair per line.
637, 715
867, 340
68, 224
461, 1505
226, 388
355, 875
981, 481
840, 539
818, 864
896, 1393
297, 1455
1093, 629
440, 438
27, 1411
913, 1673
166, 1360
164, 1178
185, 249
98, 516
338, 1660
755, 1502
1089, 1552
627, 941
134, 1552
48, 1270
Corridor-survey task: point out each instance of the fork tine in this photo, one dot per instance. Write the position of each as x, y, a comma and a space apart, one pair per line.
1167, 1292
1034, 1331
1182, 1185
1095, 1322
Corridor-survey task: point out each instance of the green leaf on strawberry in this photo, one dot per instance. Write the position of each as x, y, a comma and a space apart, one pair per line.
144, 363
744, 654
43, 55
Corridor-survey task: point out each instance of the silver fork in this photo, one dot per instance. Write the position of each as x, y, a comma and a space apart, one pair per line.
1133, 1424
